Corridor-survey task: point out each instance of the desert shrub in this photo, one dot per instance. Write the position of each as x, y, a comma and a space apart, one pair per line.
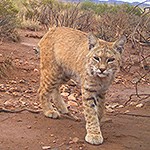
98, 8
56, 13
111, 25
8, 22
104, 8
30, 24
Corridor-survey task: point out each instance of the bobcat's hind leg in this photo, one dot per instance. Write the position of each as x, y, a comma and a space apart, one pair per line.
59, 102
46, 89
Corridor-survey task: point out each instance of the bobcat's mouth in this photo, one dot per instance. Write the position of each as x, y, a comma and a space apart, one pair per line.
102, 75
96, 72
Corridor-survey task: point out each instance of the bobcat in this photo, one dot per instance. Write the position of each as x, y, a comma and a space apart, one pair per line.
68, 53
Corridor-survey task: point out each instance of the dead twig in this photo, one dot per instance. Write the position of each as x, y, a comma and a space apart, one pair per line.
145, 96
2, 109
137, 92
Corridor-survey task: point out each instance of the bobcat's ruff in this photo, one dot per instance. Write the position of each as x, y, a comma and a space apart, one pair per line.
68, 53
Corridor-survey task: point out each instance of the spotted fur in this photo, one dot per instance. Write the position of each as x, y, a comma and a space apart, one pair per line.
67, 53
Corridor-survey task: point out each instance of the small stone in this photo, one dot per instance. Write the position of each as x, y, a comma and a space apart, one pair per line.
139, 105
65, 94
110, 110
75, 139
126, 111
8, 103
29, 91
72, 103
19, 120
117, 81
22, 81
133, 103
135, 80
13, 81
26, 63
114, 105
46, 147
70, 142
54, 141
120, 106
28, 127
26, 147
34, 80
36, 70
16, 94
72, 97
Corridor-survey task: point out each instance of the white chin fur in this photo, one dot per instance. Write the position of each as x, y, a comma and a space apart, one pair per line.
101, 75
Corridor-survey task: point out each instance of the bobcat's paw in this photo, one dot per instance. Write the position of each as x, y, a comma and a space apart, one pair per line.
94, 139
52, 114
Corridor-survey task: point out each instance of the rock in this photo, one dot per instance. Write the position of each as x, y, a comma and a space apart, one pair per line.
26, 62
28, 127
35, 103
36, 70
75, 139
110, 110
126, 111
22, 81
139, 105
133, 103
13, 89
54, 141
8, 103
65, 94
19, 120
72, 103
16, 94
72, 97
70, 142
114, 105
118, 81
46, 147
13, 82
120, 106
135, 80
29, 91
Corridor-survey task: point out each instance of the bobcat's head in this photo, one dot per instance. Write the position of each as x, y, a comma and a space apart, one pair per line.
104, 58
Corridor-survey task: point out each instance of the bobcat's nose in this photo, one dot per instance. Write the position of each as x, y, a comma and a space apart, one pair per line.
102, 69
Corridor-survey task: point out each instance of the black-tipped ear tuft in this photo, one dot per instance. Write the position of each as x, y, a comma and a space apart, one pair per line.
119, 44
92, 40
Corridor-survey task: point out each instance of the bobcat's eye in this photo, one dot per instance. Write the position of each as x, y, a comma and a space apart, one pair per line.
110, 59
96, 58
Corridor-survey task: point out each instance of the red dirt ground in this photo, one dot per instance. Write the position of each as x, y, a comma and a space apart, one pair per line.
124, 127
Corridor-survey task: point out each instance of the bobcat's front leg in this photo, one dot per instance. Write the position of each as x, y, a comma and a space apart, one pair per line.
94, 135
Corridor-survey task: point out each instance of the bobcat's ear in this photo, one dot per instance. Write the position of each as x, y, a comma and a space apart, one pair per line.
119, 44
92, 40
